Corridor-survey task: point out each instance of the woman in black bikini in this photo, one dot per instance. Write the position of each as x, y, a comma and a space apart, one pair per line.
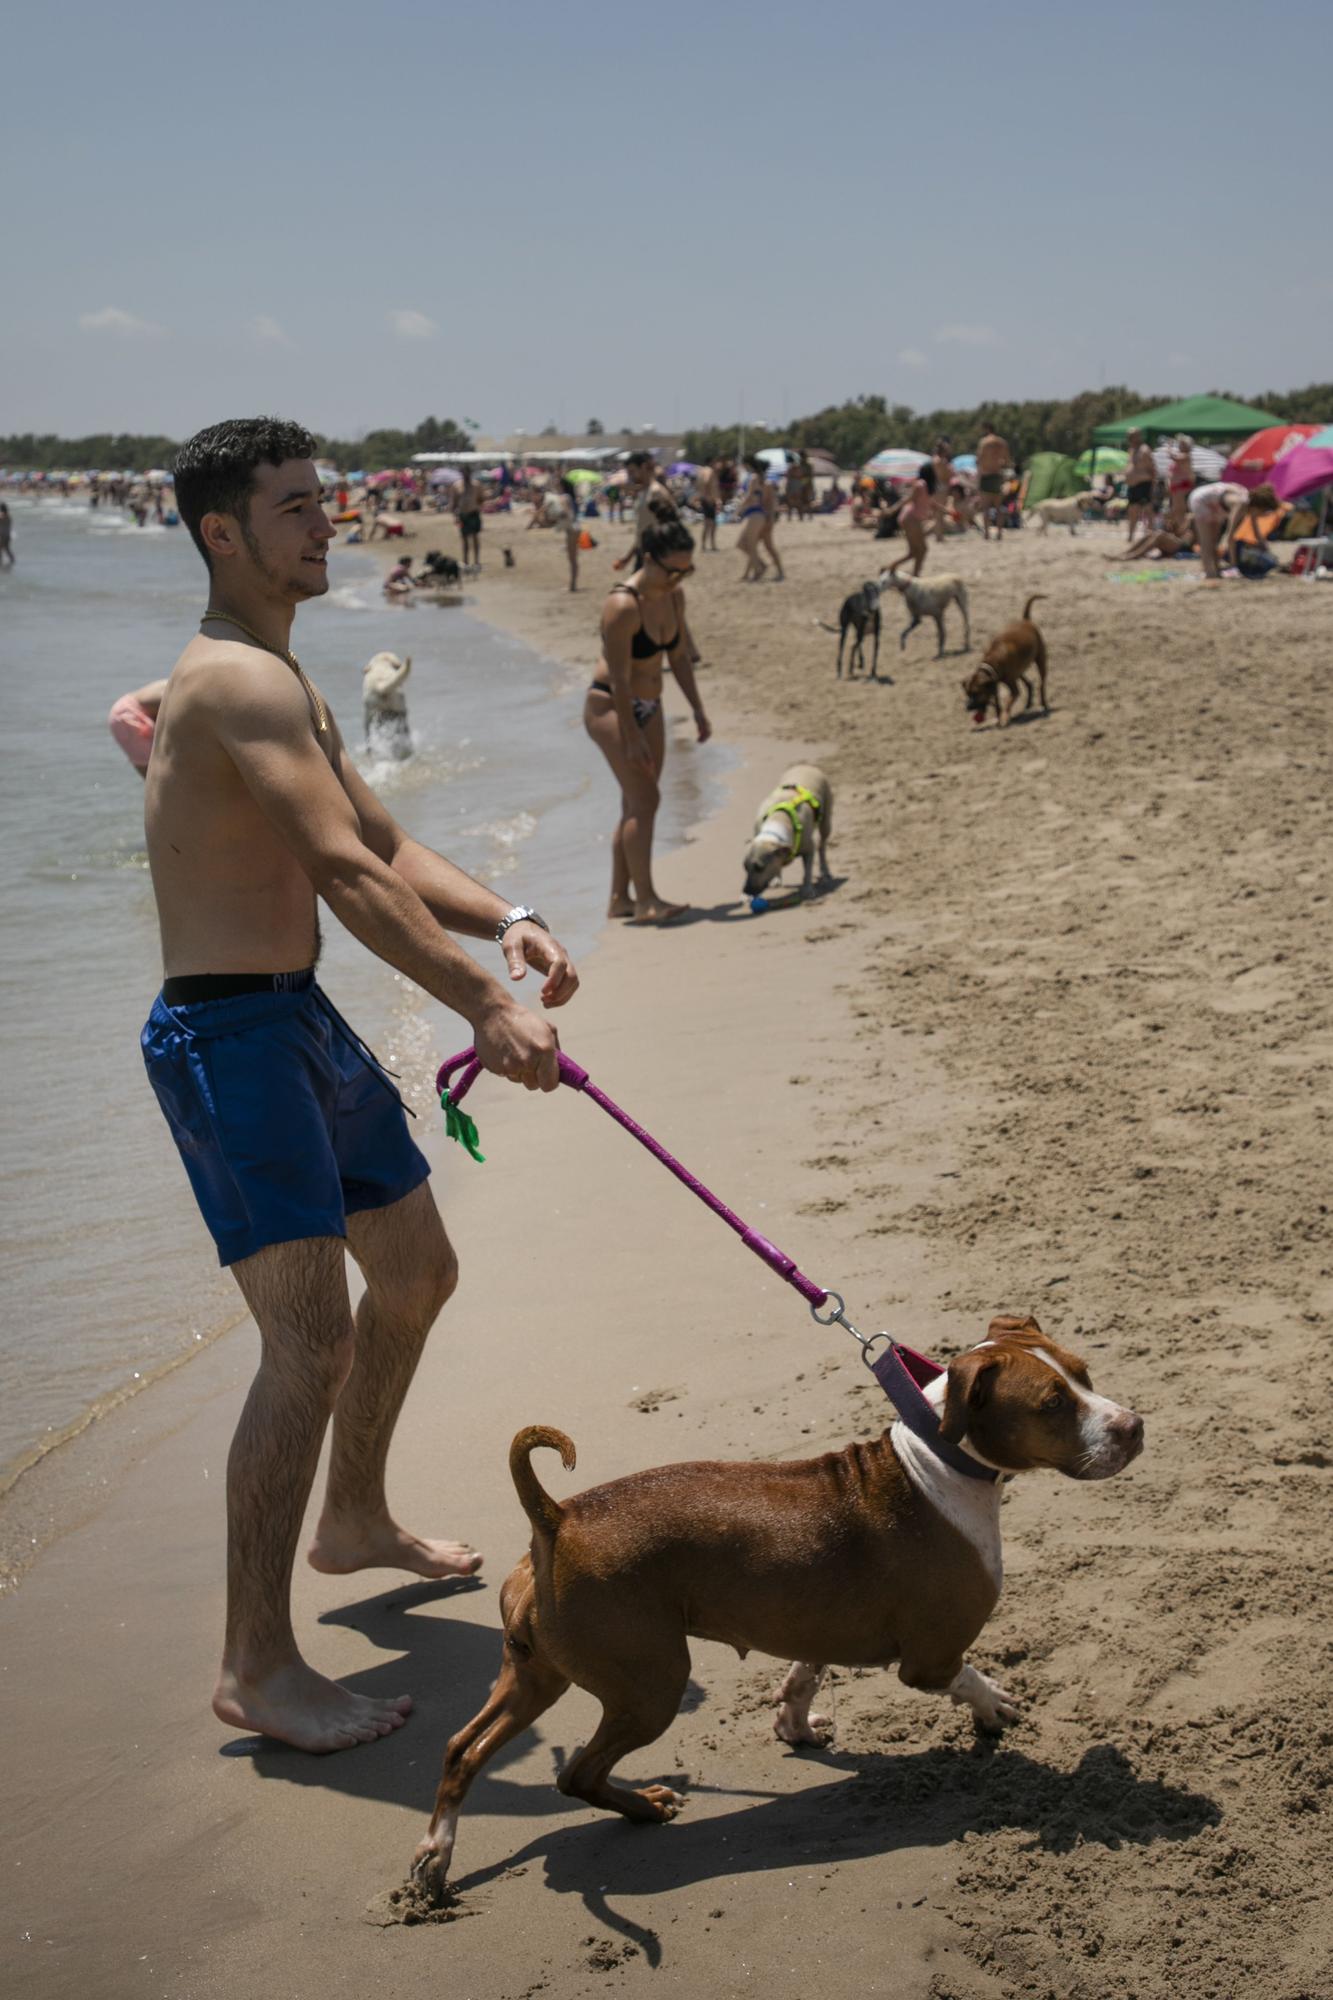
643, 621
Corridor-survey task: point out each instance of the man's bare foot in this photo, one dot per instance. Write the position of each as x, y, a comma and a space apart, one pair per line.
659, 913
340, 1547
298, 1706
620, 906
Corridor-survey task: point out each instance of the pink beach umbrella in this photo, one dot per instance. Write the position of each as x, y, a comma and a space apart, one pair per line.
1308, 467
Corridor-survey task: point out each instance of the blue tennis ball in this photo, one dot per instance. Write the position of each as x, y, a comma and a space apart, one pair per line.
758, 904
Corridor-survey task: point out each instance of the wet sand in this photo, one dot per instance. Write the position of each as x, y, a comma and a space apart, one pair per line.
1058, 1041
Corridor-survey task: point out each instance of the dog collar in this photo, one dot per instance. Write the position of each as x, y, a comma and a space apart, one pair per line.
903, 1375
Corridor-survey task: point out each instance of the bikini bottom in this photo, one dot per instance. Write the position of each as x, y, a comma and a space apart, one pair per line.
644, 711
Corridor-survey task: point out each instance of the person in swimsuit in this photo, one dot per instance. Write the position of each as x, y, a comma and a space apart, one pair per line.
706, 493
768, 495
916, 511
467, 505
292, 1135
750, 511
759, 506
1157, 542
558, 507
1180, 482
992, 463
647, 496
1220, 511
643, 624
941, 459
1140, 478
7, 537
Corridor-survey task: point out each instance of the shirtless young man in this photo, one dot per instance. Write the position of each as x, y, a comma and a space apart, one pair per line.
294, 1140
1140, 477
992, 464
646, 494
467, 506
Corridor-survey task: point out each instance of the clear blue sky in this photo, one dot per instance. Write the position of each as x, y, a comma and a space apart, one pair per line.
520, 212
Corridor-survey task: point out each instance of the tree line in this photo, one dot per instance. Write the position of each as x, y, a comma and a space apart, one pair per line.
377, 451
852, 432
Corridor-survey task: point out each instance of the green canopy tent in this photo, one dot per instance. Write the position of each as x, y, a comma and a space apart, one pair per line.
1050, 476
1203, 417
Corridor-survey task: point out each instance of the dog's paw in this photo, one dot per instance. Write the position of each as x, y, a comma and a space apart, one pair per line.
665, 1803
993, 1706
790, 1726
430, 1870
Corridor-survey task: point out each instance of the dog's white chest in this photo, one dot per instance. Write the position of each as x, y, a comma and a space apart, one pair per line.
972, 1506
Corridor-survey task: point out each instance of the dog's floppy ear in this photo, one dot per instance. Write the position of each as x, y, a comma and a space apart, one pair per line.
1009, 1323
971, 1379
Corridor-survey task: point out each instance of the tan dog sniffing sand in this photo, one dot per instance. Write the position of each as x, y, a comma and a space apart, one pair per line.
886, 1553
792, 817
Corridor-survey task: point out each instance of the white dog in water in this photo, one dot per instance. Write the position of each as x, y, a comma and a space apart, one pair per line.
384, 705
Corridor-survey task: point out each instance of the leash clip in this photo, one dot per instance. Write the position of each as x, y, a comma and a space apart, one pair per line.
837, 1316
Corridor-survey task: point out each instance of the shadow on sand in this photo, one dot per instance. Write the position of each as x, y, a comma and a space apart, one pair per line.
872, 1804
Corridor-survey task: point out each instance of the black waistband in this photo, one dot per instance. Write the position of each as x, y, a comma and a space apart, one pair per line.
191, 987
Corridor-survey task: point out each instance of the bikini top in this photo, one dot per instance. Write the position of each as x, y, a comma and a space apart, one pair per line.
643, 646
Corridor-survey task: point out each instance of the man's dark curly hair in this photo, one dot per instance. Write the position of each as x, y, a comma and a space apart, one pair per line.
215, 468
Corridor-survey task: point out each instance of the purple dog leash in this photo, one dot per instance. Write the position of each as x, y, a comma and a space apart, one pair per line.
902, 1373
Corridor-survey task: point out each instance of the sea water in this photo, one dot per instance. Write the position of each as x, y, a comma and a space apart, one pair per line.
109, 1276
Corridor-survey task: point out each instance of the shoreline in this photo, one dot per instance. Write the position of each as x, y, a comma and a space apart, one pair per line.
1054, 1043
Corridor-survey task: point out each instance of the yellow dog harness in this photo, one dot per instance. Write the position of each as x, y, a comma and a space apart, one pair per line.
792, 809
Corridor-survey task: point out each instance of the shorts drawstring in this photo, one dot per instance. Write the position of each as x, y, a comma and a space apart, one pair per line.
363, 1049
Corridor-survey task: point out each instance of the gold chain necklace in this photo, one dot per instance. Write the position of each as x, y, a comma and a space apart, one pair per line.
284, 653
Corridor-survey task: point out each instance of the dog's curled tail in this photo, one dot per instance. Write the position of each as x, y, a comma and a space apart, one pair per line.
824, 626
1037, 597
540, 1508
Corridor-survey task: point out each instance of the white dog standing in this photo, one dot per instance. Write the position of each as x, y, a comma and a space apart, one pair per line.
790, 820
1062, 513
384, 706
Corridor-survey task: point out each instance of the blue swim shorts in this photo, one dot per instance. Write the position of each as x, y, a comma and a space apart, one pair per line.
286, 1123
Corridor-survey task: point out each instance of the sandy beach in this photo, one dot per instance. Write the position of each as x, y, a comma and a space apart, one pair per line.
1057, 1041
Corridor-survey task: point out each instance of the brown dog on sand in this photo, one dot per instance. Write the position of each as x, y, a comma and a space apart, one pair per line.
885, 1553
1004, 664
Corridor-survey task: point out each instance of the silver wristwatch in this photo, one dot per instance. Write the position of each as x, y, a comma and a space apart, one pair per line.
520, 914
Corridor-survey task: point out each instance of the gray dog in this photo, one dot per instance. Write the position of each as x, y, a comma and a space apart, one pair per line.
859, 615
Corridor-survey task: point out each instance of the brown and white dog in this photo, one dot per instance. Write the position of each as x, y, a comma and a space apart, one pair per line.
878, 1555
1004, 666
